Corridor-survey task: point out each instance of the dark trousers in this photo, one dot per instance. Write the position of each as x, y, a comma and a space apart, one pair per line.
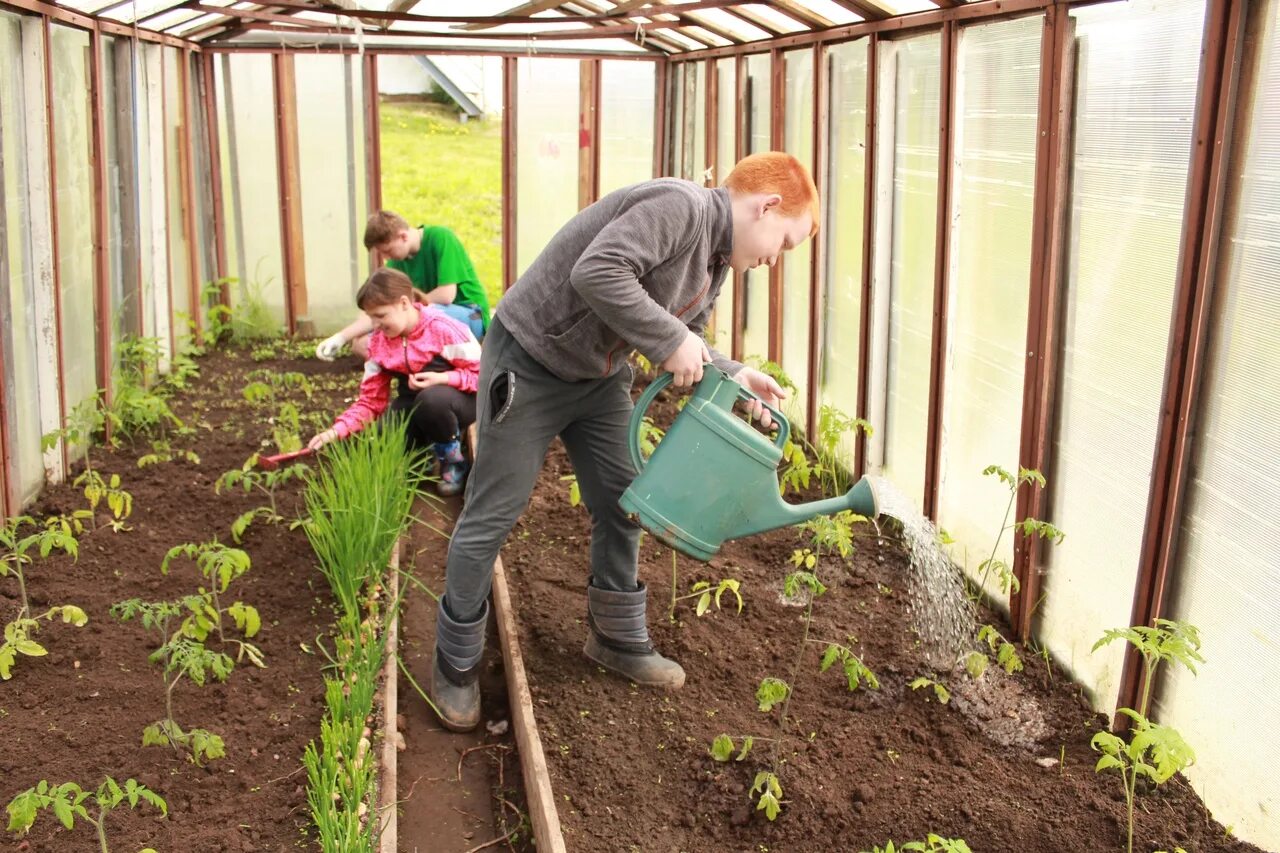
520, 408
436, 414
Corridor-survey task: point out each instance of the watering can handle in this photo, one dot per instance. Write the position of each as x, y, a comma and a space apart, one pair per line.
655, 388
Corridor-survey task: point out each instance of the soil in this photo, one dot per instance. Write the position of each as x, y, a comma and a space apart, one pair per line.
1005, 765
78, 713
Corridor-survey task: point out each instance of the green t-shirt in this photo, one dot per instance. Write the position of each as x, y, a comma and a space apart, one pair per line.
441, 259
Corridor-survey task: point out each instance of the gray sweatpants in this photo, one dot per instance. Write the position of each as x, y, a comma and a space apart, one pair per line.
520, 408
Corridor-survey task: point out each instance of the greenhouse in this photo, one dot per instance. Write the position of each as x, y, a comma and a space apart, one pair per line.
992, 602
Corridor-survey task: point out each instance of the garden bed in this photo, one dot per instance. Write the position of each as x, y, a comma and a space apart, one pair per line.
78, 713
1005, 765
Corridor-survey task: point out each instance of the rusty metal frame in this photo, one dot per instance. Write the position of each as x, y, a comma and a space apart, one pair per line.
868, 245
739, 147
79, 20
56, 266
406, 50
101, 264
1048, 253
941, 255
1189, 335
660, 119
817, 255
711, 123
290, 187
510, 103
777, 141
372, 144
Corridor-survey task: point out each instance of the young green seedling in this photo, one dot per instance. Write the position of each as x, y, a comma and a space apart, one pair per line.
219, 565
770, 790
249, 478
771, 693
163, 451
1029, 527
933, 843
180, 657
68, 800
940, 690
1006, 653
96, 490
707, 594
58, 533
855, 671
1155, 751
723, 747
1168, 640
575, 491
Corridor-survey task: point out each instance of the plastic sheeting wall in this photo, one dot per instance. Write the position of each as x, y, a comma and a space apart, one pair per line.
758, 111
247, 130
330, 103
546, 153
1136, 83
721, 328
993, 183
797, 141
910, 75
152, 228
1225, 579
626, 140
180, 248
840, 323
19, 321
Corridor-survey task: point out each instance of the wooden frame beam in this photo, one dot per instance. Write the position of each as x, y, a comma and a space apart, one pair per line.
1050, 210
82, 21
739, 147
290, 190
588, 132
777, 127
101, 259
212, 141
868, 237
186, 168
817, 263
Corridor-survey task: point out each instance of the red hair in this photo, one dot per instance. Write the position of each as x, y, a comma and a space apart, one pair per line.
385, 287
777, 172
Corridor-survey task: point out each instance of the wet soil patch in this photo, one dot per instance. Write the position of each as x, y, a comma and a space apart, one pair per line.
1006, 764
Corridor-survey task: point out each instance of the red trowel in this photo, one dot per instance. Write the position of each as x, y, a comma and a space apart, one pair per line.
271, 463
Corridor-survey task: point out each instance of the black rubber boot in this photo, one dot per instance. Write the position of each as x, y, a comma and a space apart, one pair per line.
455, 687
618, 639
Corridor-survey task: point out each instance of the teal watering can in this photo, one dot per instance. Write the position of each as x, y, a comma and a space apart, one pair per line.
714, 476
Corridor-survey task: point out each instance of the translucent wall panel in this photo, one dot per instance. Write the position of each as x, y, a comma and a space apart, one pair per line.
74, 198
332, 174
19, 322
1225, 580
758, 111
626, 123
114, 55
176, 160
993, 183
205, 248
674, 161
698, 150
910, 77
148, 117
1136, 83
721, 331
546, 153
796, 264
247, 125
840, 320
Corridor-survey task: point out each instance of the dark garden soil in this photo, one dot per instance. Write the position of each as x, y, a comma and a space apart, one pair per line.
1006, 765
78, 714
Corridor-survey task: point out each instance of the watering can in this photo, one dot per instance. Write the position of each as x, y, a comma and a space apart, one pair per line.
714, 476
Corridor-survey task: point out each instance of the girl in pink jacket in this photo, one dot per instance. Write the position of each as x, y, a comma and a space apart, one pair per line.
437, 362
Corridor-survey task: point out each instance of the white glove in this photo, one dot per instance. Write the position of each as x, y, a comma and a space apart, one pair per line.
330, 347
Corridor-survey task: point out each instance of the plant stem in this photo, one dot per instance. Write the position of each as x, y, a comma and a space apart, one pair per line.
982, 584
671, 614
791, 683
1151, 662
98, 824
1130, 786
22, 587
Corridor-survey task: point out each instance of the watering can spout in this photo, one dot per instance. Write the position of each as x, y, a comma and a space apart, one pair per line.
714, 477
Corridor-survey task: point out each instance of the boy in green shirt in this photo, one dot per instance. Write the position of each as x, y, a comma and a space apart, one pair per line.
435, 261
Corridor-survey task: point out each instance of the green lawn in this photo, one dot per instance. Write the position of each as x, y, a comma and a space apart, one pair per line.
436, 171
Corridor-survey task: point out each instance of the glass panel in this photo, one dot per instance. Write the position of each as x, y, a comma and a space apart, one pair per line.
720, 330
758, 110
19, 322
175, 222
841, 319
912, 142
1226, 581
1137, 62
246, 104
149, 129
993, 187
334, 209
74, 198
547, 153
796, 272
626, 137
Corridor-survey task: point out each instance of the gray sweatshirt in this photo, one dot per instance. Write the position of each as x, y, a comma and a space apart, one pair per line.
638, 269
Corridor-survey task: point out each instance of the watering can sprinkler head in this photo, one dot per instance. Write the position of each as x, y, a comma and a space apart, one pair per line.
714, 477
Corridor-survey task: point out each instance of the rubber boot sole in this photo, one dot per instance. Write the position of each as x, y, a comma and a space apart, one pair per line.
651, 670
457, 707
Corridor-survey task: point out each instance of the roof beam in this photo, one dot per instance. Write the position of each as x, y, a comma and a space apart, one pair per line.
869, 11
529, 8
796, 11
